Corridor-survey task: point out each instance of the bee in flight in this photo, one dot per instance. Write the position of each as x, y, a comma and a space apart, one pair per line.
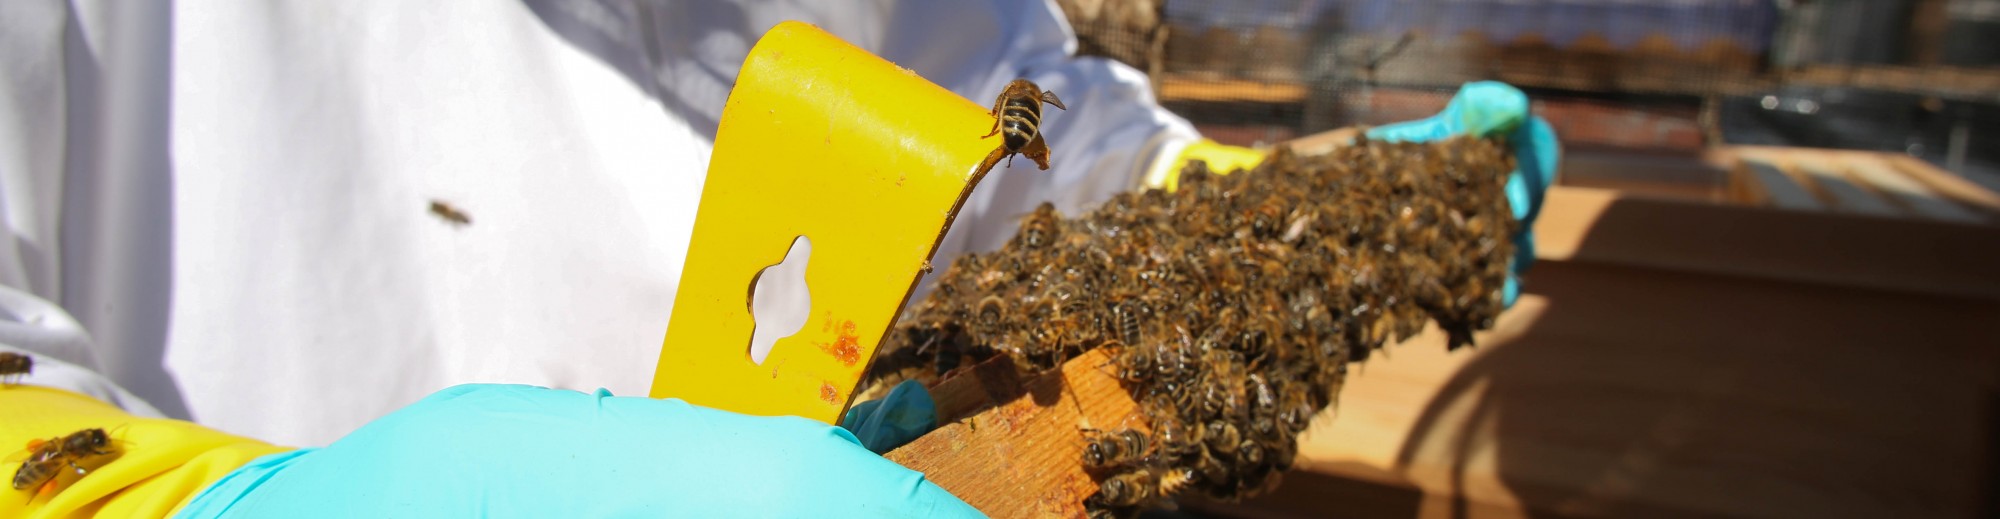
1017, 119
450, 214
48, 457
13, 366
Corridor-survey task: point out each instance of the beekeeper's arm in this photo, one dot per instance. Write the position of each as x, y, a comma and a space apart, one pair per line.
476, 449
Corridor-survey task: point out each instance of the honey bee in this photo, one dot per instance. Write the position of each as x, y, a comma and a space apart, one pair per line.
1268, 217
452, 215
1176, 360
1169, 394
1107, 450
1249, 453
989, 278
1263, 404
1136, 486
40, 468
1088, 326
1221, 437
1196, 182
1093, 512
988, 316
1051, 341
1123, 490
1296, 408
1282, 452
1176, 437
1213, 470
1220, 392
87, 442
13, 366
1017, 118
47, 457
1041, 227
1222, 397
1132, 364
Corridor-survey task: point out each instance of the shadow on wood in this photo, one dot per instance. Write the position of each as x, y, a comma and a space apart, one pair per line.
1848, 377
1669, 358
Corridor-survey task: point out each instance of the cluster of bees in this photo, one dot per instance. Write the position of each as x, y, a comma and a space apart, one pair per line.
46, 458
1232, 306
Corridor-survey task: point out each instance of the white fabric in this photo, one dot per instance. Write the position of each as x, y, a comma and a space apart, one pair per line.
243, 188
65, 104
60, 374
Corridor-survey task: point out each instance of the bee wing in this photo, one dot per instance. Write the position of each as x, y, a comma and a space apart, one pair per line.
40, 450
37, 449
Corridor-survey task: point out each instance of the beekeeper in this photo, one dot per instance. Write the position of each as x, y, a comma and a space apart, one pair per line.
301, 222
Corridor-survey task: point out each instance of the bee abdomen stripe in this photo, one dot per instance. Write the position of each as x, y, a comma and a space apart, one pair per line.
1023, 103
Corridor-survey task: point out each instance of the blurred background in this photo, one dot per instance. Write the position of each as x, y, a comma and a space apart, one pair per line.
1767, 283
1917, 77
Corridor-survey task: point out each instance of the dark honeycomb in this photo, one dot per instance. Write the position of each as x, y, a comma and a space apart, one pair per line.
1233, 305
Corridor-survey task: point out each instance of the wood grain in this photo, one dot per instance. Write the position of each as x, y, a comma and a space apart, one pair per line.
1670, 358
1615, 391
1021, 457
1680, 359
1867, 182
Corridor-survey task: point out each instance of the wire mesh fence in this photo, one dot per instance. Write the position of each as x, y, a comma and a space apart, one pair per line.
1622, 73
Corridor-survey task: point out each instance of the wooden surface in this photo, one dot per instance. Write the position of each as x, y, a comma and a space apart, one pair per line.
1893, 254
1023, 457
1668, 359
1730, 354
1765, 184
1664, 174
1858, 182
1965, 83
1652, 370
1870, 183
1617, 392
1199, 88
1324, 142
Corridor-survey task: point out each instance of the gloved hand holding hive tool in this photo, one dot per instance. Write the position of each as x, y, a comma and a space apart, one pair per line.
1232, 305
1198, 292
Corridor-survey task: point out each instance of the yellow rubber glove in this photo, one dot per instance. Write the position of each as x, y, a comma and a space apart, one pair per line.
1221, 158
159, 467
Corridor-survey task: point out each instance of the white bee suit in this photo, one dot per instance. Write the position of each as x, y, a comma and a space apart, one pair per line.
233, 197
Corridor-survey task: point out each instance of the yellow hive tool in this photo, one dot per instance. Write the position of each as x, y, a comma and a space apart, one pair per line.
865, 160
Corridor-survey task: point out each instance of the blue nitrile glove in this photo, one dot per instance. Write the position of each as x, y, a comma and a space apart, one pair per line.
523, 451
1495, 109
889, 422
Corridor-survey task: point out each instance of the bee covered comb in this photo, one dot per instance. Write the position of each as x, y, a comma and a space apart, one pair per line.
845, 168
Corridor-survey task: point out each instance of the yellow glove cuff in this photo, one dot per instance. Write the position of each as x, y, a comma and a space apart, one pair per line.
1222, 159
158, 466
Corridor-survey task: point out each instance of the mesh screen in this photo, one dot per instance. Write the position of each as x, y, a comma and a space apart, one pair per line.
1264, 71
1672, 75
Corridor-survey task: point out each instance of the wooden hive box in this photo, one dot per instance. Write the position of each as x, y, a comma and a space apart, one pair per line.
1670, 357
